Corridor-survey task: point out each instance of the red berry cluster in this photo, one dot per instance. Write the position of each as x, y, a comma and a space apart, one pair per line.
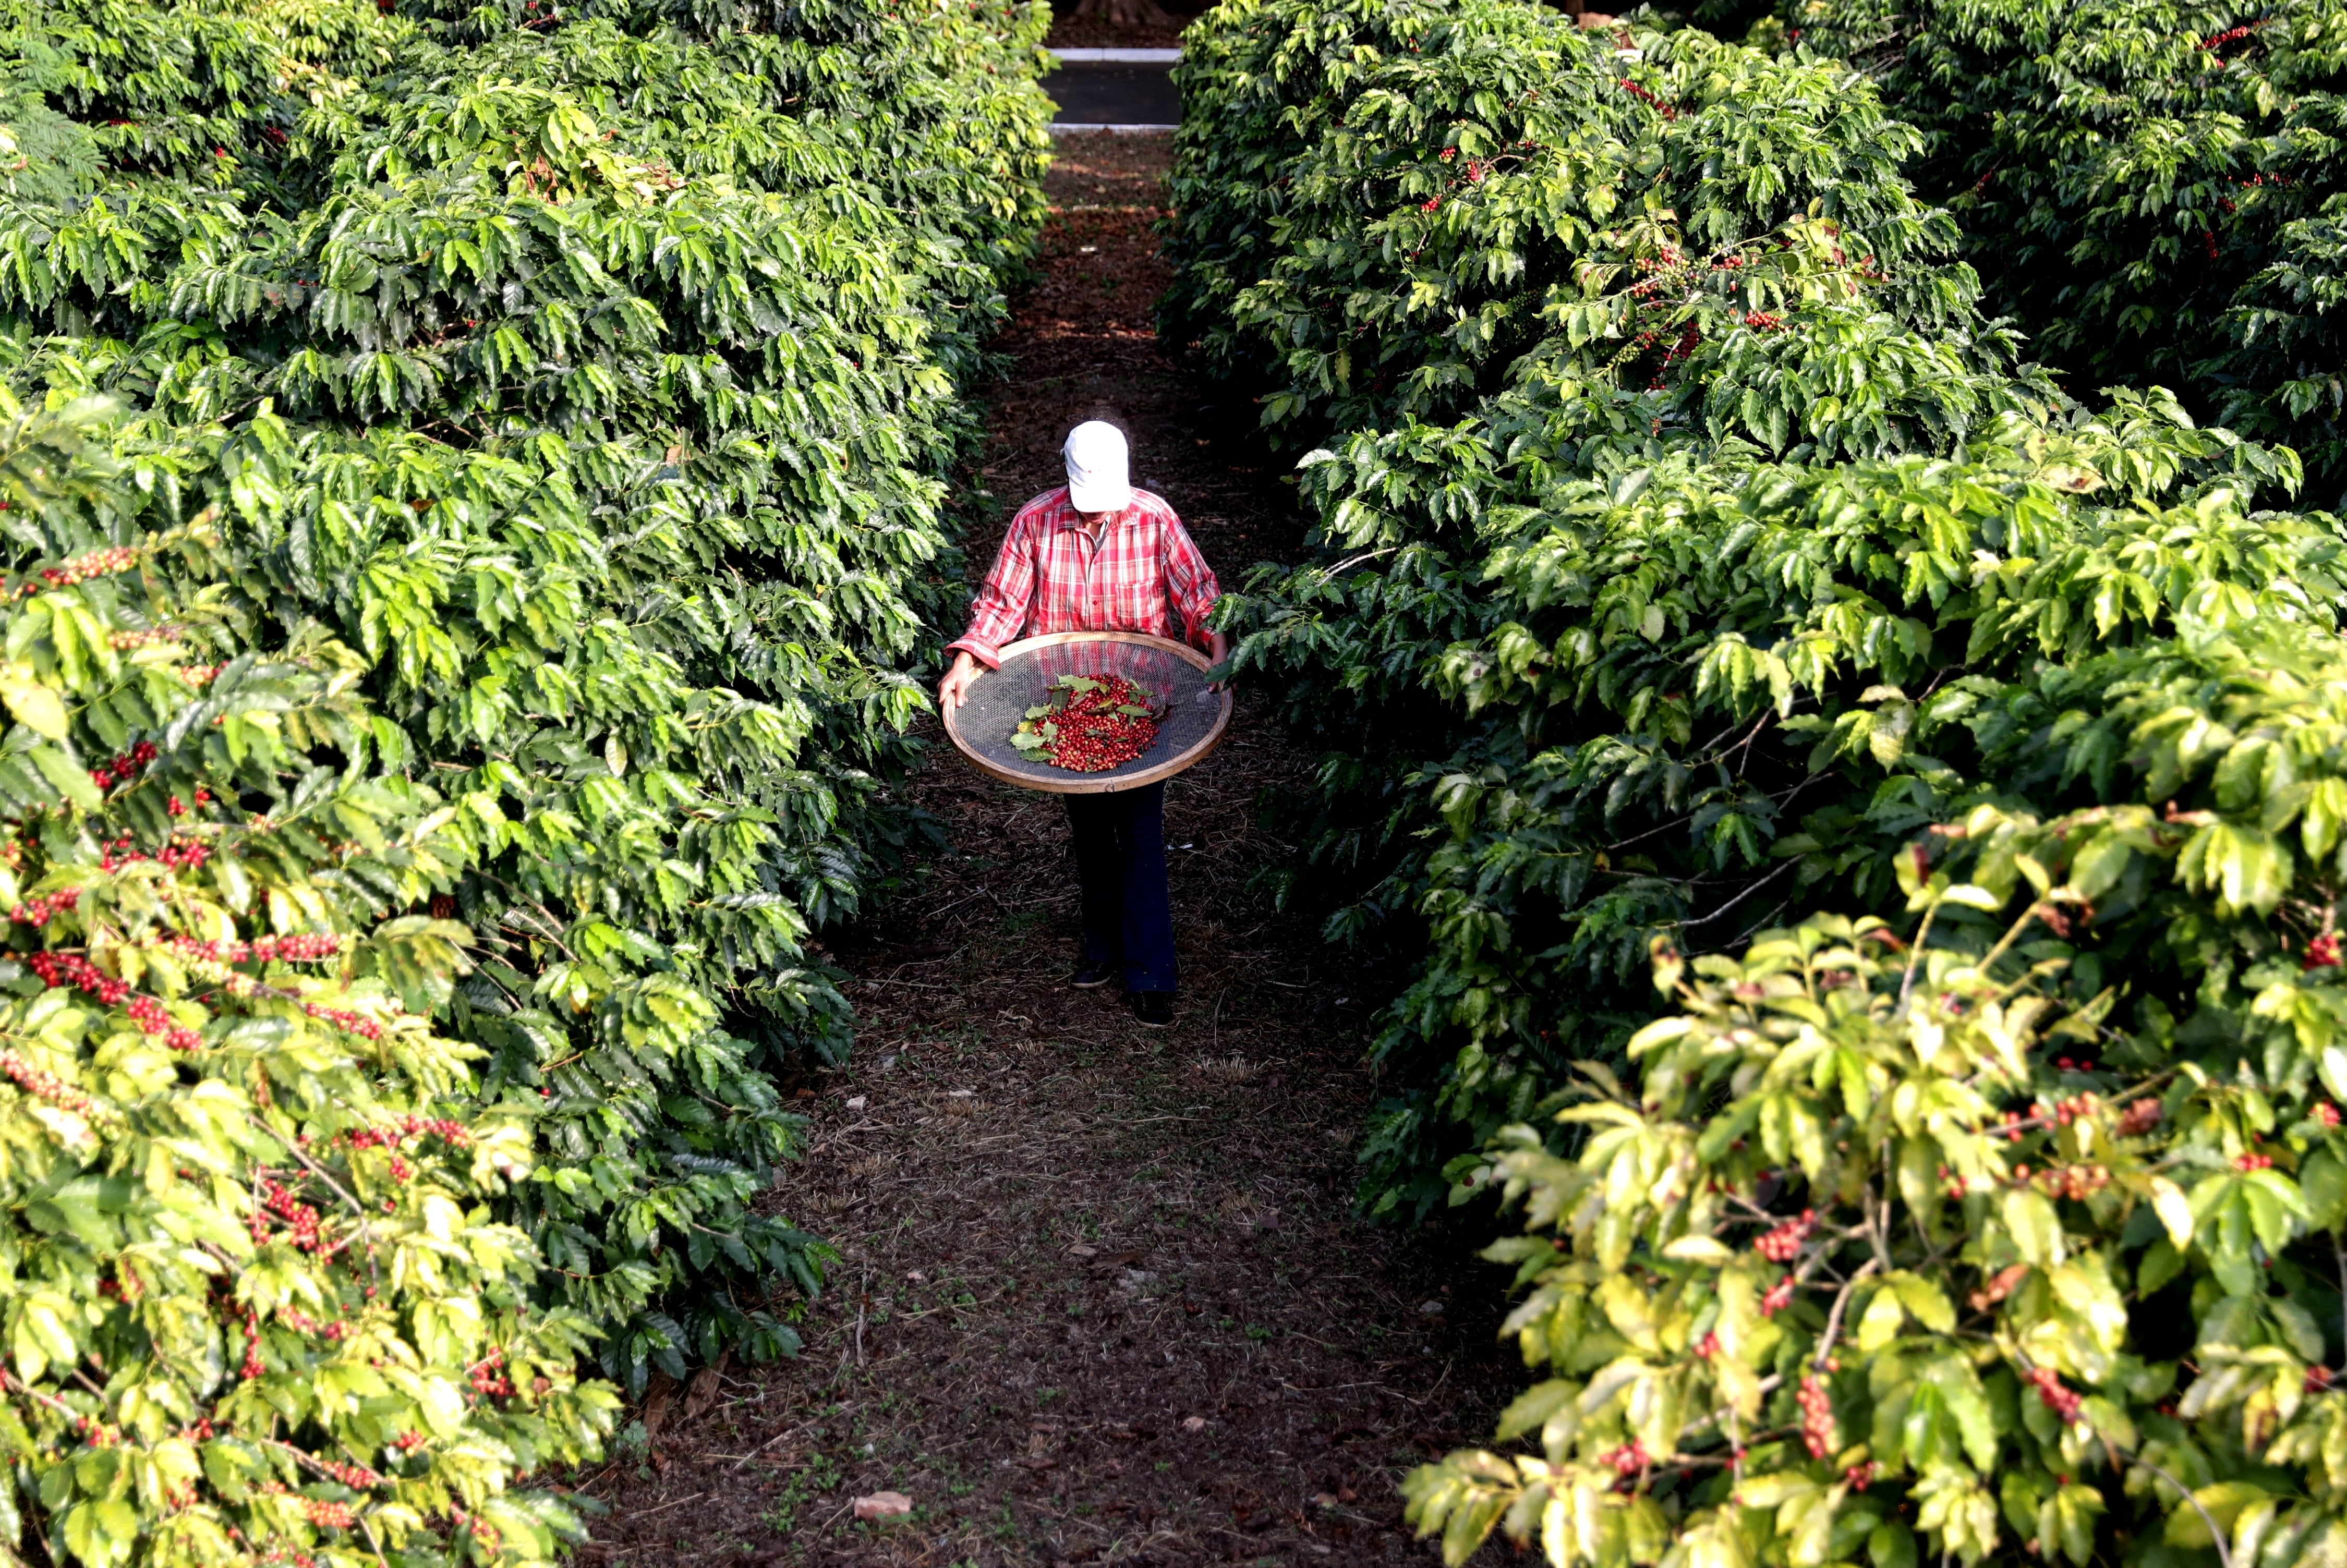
2322, 952
1092, 735
1860, 1476
391, 1134
328, 1515
2062, 1401
2012, 1128
1707, 1347
81, 569
1780, 1297
96, 1433
304, 948
408, 1442
333, 1333
1819, 1429
1763, 321
2077, 1108
2140, 1118
1729, 262
253, 1368
1688, 340
483, 1533
45, 1085
487, 1375
299, 1217
42, 910
124, 642
2317, 1379
1784, 1244
200, 675
2078, 1183
105, 774
148, 1015
2325, 1113
184, 855
2229, 35
1628, 1460
2253, 1162
177, 855
357, 1477
1647, 97
365, 1028
73, 970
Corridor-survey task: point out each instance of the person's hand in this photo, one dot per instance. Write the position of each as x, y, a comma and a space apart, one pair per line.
1218, 648
954, 690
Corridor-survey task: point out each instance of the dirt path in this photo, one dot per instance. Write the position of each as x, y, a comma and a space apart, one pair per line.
1099, 1299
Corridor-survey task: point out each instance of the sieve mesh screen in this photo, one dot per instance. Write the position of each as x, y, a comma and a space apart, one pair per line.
999, 699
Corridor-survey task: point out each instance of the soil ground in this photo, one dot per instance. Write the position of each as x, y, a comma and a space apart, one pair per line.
1101, 1297
1069, 31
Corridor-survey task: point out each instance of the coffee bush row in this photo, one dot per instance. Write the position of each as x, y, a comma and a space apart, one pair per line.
519, 437
2151, 189
1716, 594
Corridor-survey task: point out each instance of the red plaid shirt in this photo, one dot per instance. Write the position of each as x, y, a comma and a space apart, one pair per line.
1049, 577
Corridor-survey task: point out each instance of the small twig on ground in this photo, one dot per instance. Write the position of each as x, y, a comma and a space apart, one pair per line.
664, 1507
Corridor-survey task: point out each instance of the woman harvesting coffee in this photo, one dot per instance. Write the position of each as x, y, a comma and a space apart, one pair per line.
1098, 555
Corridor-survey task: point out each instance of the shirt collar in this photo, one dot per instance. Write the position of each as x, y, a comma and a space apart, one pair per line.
1071, 518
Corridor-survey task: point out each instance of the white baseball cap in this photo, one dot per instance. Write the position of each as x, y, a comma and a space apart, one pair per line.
1096, 480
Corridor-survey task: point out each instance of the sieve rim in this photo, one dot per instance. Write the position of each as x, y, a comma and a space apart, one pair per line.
1079, 783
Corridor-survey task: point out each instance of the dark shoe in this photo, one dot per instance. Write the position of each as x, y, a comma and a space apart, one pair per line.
1154, 1009
1089, 974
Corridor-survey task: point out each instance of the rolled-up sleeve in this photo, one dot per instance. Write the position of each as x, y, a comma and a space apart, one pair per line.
1189, 581
1003, 598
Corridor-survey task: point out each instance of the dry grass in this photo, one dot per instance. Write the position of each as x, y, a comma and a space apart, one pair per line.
1101, 1298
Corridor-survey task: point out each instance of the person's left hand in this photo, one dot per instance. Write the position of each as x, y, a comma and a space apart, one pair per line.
1218, 648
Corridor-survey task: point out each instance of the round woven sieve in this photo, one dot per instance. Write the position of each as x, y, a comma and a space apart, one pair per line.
1171, 673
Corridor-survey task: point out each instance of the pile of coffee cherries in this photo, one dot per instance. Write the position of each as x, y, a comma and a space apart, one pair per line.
1093, 724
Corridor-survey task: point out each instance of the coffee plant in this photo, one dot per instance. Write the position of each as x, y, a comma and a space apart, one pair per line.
1901, 1251
2151, 189
1681, 698
1699, 552
258, 1304
593, 379
1634, 641
1388, 212
1905, 1245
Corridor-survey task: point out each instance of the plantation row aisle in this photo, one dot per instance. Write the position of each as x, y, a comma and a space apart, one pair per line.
1101, 1299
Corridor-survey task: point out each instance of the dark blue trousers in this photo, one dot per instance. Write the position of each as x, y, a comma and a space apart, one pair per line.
1121, 866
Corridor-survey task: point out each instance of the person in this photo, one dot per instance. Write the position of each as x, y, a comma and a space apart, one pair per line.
1098, 555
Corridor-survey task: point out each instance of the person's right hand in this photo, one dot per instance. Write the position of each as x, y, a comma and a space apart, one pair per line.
954, 690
